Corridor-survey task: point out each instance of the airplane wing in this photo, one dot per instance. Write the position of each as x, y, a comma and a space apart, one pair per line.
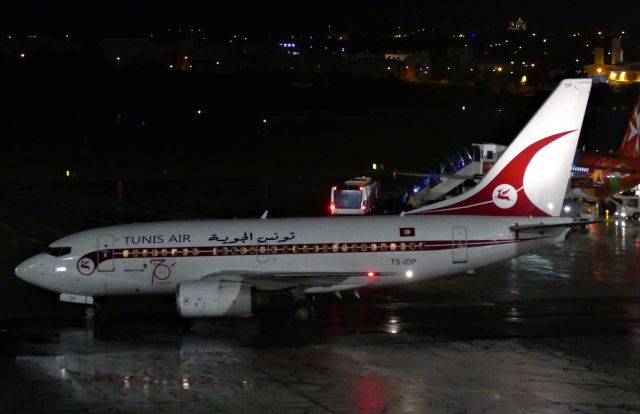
282, 280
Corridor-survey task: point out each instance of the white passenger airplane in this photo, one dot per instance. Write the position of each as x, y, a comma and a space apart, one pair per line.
215, 267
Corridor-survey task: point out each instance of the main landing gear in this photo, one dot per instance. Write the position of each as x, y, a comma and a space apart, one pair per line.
303, 311
302, 308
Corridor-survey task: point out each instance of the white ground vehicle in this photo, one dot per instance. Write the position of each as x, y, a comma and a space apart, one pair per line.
628, 207
357, 196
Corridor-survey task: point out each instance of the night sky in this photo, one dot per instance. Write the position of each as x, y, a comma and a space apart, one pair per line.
132, 16
67, 106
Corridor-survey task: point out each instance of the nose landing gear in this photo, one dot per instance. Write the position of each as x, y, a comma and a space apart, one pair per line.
91, 311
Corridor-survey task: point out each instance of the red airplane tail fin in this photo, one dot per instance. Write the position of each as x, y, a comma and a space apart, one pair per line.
530, 178
631, 143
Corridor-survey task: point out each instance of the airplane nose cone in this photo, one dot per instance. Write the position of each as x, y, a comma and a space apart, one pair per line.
27, 270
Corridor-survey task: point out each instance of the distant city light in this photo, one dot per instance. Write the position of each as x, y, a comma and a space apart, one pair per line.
264, 121
199, 111
22, 55
118, 58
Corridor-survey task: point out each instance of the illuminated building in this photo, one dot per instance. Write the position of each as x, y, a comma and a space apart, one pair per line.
616, 73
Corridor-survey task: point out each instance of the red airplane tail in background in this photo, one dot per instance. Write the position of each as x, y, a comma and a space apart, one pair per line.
631, 143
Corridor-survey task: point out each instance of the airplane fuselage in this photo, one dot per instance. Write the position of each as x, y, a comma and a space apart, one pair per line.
331, 253
608, 174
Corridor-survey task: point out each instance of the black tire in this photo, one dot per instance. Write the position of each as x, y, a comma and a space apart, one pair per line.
636, 216
302, 311
302, 314
90, 312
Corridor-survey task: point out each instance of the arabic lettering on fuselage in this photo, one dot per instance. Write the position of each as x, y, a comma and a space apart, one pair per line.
248, 237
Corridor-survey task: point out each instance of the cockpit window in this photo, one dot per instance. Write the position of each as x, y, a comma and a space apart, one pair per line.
58, 251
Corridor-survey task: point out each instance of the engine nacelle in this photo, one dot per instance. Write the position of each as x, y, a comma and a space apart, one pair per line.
213, 298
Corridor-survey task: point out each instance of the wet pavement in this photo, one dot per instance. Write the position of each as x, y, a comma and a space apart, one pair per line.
555, 331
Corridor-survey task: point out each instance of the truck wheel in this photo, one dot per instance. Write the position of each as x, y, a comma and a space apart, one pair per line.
636, 216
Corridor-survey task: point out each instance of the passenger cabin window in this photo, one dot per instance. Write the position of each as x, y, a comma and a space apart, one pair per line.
58, 251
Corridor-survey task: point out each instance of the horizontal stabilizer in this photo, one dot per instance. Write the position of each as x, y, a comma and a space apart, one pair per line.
541, 227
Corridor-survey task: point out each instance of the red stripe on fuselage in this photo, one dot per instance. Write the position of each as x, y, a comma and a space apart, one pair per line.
313, 248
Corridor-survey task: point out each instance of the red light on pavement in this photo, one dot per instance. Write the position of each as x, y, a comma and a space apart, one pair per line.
371, 275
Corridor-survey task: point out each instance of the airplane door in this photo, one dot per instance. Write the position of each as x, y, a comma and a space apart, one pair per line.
459, 244
262, 253
105, 254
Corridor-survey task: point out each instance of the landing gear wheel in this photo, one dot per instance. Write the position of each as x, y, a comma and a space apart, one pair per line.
91, 312
303, 311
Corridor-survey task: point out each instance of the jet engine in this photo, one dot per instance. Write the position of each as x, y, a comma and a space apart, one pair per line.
213, 298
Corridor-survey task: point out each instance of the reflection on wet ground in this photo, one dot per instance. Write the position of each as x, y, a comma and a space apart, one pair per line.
555, 331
